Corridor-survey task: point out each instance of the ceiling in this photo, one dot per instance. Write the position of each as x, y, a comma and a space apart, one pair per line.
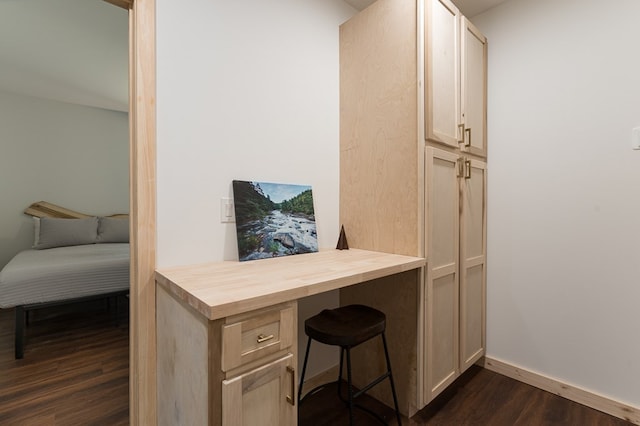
469, 8
68, 50
77, 50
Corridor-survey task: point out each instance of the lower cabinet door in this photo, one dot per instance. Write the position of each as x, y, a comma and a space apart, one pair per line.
473, 260
264, 396
442, 280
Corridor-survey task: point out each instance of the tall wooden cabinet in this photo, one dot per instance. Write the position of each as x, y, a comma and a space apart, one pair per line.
413, 172
455, 186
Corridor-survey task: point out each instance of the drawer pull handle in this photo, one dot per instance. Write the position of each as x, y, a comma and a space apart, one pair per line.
290, 398
263, 338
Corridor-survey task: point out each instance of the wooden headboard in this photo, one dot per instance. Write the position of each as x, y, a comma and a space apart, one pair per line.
45, 209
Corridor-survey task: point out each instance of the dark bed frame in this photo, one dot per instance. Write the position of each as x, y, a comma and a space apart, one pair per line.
22, 314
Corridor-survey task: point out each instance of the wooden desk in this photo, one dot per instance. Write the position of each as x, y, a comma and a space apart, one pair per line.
210, 316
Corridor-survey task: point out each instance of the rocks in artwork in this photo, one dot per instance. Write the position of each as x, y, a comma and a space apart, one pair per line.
273, 219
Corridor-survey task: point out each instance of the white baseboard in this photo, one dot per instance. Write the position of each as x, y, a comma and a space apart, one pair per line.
581, 396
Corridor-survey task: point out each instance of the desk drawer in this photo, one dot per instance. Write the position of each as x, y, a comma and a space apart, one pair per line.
250, 337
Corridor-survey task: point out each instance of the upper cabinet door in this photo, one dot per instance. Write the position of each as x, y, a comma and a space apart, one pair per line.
442, 73
474, 89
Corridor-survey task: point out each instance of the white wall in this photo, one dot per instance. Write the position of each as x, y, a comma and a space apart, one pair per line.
247, 90
69, 155
563, 228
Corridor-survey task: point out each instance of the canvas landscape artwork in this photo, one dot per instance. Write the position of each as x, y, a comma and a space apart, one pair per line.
273, 219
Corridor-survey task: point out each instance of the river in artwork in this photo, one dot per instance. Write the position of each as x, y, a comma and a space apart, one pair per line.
280, 234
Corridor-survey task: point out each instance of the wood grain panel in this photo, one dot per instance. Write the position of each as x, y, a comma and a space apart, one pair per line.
472, 316
442, 276
474, 88
381, 182
473, 293
246, 286
46, 209
474, 211
442, 69
442, 210
259, 397
125, 4
183, 364
142, 202
442, 339
240, 340
378, 128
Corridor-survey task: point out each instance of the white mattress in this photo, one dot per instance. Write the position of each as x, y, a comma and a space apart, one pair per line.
62, 273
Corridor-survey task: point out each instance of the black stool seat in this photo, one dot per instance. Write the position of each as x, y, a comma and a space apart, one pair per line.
345, 326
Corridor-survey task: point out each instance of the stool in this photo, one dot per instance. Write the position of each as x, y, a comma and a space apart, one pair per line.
347, 327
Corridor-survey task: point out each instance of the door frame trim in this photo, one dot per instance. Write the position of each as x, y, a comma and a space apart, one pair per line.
142, 204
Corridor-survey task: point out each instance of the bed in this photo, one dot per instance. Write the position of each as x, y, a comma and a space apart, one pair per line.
72, 260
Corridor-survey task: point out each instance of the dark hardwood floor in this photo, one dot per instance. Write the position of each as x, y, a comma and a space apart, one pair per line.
75, 369
479, 398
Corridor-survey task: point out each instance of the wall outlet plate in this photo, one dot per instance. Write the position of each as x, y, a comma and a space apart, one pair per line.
227, 214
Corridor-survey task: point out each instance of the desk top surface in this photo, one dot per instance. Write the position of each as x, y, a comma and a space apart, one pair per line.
222, 289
